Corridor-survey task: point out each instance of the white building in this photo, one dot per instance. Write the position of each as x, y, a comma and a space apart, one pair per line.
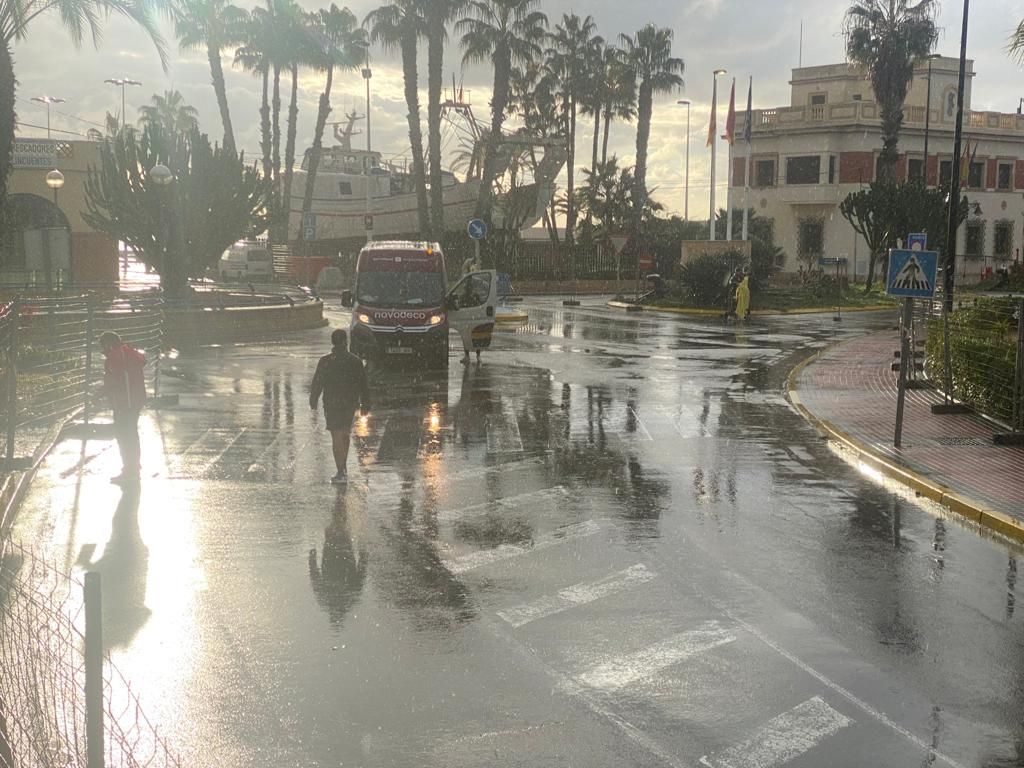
807, 157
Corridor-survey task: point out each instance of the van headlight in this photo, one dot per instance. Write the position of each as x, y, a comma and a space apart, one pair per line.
363, 318
436, 319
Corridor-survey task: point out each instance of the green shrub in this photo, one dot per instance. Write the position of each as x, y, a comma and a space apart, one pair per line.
703, 280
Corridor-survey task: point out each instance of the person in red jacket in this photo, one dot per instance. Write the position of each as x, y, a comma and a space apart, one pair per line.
125, 386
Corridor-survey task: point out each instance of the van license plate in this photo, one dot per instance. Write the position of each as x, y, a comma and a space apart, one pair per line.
399, 350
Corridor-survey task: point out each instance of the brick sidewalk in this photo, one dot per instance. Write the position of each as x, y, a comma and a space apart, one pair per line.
853, 387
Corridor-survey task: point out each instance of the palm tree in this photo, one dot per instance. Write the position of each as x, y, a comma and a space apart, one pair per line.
211, 25
78, 17
569, 63
399, 25
1015, 47
171, 113
619, 100
295, 35
888, 37
506, 32
253, 56
649, 54
437, 13
339, 44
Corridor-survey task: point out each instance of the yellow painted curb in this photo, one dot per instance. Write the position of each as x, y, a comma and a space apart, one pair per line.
953, 501
510, 319
699, 312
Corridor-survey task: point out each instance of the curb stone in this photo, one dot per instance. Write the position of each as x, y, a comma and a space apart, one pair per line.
989, 519
702, 312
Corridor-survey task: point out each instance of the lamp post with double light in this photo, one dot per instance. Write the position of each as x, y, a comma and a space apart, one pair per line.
48, 100
122, 83
714, 140
368, 216
686, 182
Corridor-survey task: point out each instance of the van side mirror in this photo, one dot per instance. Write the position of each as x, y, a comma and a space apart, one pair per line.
346, 298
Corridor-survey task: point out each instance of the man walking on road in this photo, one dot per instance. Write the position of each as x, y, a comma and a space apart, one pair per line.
125, 385
341, 379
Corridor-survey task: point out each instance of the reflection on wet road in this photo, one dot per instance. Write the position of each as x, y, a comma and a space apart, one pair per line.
612, 544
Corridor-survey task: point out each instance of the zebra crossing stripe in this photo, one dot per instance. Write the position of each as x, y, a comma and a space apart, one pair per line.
579, 594
509, 502
621, 671
783, 738
509, 551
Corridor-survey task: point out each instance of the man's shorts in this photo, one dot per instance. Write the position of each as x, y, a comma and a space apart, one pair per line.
338, 417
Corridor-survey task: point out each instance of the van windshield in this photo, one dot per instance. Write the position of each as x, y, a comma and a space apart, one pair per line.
401, 289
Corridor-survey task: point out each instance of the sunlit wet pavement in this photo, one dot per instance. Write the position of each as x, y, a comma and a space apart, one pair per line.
611, 544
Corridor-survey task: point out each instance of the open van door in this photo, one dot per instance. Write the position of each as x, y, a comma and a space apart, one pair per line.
472, 303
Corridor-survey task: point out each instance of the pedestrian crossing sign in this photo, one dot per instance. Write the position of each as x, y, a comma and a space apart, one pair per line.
912, 273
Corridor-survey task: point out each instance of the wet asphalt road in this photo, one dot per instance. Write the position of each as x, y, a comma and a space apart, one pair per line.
612, 544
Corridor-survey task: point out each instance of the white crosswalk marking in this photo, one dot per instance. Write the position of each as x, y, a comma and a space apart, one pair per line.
508, 551
558, 493
783, 738
623, 670
579, 594
204, 453
503, 434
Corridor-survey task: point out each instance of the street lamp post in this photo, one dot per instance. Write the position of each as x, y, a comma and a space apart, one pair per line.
686, 193
54, 180
713, 138
48, 100
368, 219
928, 115
121, 82
162, 177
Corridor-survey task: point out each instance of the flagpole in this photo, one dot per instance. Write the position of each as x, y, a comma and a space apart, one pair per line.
730, 130
712, 141
748, 132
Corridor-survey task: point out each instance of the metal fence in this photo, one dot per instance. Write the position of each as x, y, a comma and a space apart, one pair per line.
49, 352
973, 355
63, 704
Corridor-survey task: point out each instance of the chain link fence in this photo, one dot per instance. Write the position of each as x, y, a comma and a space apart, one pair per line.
50, 357
973, 356
63, 704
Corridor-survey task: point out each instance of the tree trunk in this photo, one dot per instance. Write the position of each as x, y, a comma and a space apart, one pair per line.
643, 135
892, 122
275, 156
435, 73
219, 88
412, 101
499, 101
314, 154
597, 136
8, 117
872, 260
289, 156
265, 140
570, 186
607, 129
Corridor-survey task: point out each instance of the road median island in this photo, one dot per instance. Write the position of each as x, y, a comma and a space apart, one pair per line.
851, 434
183, 327
706, 312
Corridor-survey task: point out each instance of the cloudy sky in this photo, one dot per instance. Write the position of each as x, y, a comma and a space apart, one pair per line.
759, 37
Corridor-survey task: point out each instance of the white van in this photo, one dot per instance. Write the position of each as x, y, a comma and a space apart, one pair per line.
246, 261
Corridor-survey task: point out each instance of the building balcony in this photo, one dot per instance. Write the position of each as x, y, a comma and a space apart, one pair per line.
854, 113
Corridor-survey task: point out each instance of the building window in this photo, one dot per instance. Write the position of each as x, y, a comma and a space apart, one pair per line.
803, 170
915, 170
817, 98
810, 243
976, 176
1005, 180
764, 173
345, 188
1002, 245
945, 173
974, 244
857, 97
832, 169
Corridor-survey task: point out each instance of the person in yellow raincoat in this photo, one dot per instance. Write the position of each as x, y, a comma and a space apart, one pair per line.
743, 298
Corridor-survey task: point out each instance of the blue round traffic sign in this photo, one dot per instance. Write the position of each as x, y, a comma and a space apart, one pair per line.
476, 229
